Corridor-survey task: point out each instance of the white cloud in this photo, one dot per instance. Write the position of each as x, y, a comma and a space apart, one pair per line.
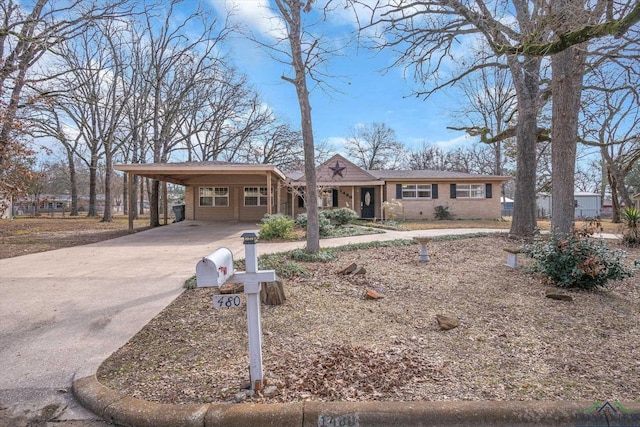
454, 142
255, 14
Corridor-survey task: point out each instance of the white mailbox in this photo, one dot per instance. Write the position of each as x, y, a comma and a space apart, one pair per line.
215, 269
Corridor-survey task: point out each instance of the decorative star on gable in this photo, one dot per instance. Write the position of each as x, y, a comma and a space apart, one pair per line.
337, 169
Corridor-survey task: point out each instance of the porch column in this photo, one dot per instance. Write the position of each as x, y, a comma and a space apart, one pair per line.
353, 197
269, 194
278, 193
132, 202
381, 201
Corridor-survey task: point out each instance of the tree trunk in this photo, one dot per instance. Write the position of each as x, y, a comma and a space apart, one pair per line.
73, 182
93, 178
272, 293
615, 202
567, 69
108, 173
527, 77
293, 18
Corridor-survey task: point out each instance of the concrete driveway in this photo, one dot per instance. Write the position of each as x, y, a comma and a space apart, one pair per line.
62, 313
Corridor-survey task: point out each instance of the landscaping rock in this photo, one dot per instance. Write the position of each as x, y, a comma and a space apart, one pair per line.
558, 296
359, 270
240, 397
447, 322
270, 391
371, 294
348, 269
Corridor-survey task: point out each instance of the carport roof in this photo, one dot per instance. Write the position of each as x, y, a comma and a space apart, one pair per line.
181, 173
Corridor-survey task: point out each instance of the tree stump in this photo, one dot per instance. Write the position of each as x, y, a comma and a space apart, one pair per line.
272, 293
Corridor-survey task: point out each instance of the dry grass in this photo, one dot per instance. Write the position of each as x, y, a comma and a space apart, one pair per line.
27, 235
328, 343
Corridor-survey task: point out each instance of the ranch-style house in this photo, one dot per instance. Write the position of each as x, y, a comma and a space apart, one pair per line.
223, 191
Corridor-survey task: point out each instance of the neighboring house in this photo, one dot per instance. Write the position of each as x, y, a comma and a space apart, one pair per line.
587, 205
246, 192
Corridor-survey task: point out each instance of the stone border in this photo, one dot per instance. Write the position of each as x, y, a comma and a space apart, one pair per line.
123, 410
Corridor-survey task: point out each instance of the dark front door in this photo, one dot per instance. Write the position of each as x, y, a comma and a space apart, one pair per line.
368, 202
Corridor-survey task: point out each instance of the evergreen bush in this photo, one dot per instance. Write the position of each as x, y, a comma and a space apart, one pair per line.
577, 262
342, 216
276, 226
443, 213
324, 224
630, 216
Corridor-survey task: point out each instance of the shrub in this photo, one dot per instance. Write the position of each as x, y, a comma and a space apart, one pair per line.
393, 210
341, 216
276, 226
442, 213
576, 262
630, 216
324, 223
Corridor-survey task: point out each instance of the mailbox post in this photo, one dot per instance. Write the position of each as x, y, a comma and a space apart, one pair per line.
252, 278
252, 289
216, 269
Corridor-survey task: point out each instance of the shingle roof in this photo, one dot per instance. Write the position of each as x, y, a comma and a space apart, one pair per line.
427, 174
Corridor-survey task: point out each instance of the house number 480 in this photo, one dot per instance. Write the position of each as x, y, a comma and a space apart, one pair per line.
227, 301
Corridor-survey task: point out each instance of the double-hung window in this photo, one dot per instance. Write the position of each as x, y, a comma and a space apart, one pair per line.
416, 191
214, 196
470, 191
256, 196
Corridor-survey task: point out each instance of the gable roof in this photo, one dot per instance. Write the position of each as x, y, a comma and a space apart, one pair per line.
338, 171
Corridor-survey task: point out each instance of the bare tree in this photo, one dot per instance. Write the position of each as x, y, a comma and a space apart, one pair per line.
375, 146
49, 124
303, 55
429, 158
29, 31
176, 66
489, 109
95, 64
224, 117
425, 34
612, 124
280, 146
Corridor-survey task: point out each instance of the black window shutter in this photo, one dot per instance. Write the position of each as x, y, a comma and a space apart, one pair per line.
398, 191
434, 191
488, 188
334, 197
300, 201
453, 191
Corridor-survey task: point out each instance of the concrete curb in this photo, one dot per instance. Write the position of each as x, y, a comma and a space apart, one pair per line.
127, 411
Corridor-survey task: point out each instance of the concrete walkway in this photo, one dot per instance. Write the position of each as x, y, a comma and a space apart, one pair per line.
62, 313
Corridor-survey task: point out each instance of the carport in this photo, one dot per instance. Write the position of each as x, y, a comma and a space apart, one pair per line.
216, 190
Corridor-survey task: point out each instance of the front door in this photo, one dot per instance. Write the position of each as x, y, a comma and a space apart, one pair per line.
368, 202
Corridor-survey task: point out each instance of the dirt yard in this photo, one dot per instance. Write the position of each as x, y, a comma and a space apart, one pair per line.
27, 235
327, 342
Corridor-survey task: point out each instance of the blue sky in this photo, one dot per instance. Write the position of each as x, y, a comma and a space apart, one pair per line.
366, 94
